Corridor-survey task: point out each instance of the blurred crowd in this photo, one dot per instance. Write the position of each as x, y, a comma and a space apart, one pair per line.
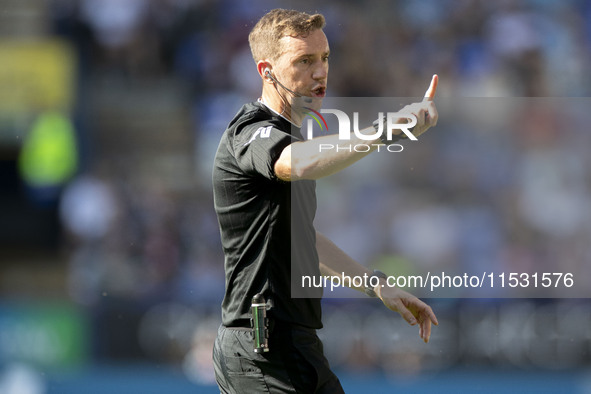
501, 185
475, 199
480, 49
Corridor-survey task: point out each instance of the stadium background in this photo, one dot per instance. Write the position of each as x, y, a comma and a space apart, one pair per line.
110, 264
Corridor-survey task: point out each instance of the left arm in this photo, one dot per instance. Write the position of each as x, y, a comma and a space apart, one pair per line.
334, 262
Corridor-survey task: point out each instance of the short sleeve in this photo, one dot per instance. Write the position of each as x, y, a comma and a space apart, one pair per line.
258, 146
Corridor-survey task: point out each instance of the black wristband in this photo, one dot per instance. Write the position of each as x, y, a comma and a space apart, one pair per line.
384, 135
369, 290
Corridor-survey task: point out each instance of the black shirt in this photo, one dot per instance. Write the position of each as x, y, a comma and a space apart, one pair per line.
266, 224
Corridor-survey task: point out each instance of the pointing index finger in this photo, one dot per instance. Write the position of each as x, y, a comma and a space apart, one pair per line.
430, 93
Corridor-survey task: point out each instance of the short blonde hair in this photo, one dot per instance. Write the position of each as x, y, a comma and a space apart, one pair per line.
264, 39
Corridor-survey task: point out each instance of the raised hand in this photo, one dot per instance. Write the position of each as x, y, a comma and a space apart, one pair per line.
425, 111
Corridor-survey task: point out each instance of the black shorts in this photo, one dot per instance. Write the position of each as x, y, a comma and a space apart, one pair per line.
295, 363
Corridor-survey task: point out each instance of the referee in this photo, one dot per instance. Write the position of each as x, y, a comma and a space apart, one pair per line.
264, 175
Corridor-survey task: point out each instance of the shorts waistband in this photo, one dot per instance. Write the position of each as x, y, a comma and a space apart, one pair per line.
274, 325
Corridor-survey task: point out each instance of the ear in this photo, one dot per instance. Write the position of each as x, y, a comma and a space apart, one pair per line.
262, 66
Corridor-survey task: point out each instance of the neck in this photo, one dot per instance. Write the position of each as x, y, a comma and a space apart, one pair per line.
283, 115
281, 104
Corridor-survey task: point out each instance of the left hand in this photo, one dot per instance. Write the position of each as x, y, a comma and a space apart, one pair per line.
413, 310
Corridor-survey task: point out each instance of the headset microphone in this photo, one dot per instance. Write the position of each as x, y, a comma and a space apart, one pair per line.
269, 75
272, 77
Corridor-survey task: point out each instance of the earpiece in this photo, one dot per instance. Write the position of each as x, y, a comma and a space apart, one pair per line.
270, 77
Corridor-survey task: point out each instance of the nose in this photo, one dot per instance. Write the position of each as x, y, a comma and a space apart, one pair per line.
320, 71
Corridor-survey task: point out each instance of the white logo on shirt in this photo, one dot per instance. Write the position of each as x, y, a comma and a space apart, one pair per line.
263, 132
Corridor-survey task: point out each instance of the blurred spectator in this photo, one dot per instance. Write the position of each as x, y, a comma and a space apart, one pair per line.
49, 156
88, 210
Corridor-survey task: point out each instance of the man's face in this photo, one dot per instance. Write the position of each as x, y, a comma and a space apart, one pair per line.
303, 65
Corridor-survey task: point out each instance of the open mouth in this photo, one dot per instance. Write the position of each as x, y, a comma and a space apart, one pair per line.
319, 92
